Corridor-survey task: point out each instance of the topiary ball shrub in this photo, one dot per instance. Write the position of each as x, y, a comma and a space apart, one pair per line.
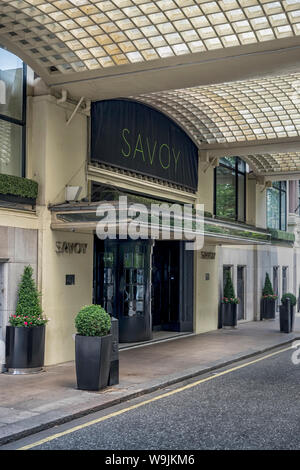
291, 297
92, 320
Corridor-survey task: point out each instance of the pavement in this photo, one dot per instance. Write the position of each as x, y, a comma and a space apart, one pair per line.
32, 403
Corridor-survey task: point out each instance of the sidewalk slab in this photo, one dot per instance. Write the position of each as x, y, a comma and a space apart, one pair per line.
31, 403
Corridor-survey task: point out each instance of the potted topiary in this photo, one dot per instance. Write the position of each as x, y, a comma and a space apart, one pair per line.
25, 334
268, 301
293, 302
229, 304
93, 347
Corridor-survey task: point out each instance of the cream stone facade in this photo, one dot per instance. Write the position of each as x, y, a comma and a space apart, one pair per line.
57, 156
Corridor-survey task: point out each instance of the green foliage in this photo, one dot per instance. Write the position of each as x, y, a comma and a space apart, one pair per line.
18, 186
28, 295
268, 289
289, 296
92, 320
228, 288
236, 232
281, 235
229, 294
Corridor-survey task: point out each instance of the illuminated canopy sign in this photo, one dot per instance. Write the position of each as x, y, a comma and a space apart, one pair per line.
135, 137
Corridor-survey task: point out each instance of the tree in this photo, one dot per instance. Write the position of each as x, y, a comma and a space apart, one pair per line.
268, 289
28, 296
228, 288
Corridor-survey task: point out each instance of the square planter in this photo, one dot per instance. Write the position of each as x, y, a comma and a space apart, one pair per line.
92, 358
229, 315
25, 349
285, 318
268, 309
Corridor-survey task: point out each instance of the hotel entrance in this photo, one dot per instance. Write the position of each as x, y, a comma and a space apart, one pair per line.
165, 286
146, 284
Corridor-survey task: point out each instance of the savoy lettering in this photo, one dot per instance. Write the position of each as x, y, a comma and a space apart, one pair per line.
70, 248
149, 151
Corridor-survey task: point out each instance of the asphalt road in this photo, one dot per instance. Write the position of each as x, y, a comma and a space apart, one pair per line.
251, 407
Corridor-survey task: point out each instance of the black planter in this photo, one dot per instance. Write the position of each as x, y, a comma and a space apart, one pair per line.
92, 358
268, 307
17, 199
229, 315
285, 317
25, 349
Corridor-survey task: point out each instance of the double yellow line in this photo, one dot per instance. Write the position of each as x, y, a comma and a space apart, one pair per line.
151, 400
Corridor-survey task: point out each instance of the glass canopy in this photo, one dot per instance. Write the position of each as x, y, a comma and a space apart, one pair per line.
242, 111
76, 35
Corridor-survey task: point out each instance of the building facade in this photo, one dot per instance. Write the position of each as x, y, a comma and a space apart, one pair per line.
50, 147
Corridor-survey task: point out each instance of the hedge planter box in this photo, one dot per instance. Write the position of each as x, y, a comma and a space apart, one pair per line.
92, 358
229, 315
268, 309
25, 348
18, 190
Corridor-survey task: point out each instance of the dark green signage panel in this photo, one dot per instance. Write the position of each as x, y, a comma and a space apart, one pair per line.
135, 137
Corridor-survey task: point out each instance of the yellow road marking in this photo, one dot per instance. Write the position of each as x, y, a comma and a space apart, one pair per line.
146, 402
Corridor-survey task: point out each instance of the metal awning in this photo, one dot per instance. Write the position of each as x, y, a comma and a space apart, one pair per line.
83, 217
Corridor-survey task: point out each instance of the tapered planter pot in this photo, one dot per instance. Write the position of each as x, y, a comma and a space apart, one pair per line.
285, 317
292, 308
25, 348
229, 315
92, 358
268, 307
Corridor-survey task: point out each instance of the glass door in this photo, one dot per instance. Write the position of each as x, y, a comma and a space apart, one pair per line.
134, 291
122, 285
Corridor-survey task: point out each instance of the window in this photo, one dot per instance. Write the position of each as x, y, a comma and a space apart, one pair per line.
12, 114
230, 189
276, 206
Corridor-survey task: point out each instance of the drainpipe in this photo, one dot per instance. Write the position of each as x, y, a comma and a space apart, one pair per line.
75, 110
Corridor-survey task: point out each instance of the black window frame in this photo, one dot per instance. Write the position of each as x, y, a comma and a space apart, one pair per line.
281, 187
21, 122
237, 172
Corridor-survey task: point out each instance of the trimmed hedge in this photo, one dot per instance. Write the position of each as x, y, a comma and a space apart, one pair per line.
237, 232
281, 235
291, 297
92, 320
17, 186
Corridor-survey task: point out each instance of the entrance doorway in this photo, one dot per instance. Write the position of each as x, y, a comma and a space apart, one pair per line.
147, 285
165, 286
